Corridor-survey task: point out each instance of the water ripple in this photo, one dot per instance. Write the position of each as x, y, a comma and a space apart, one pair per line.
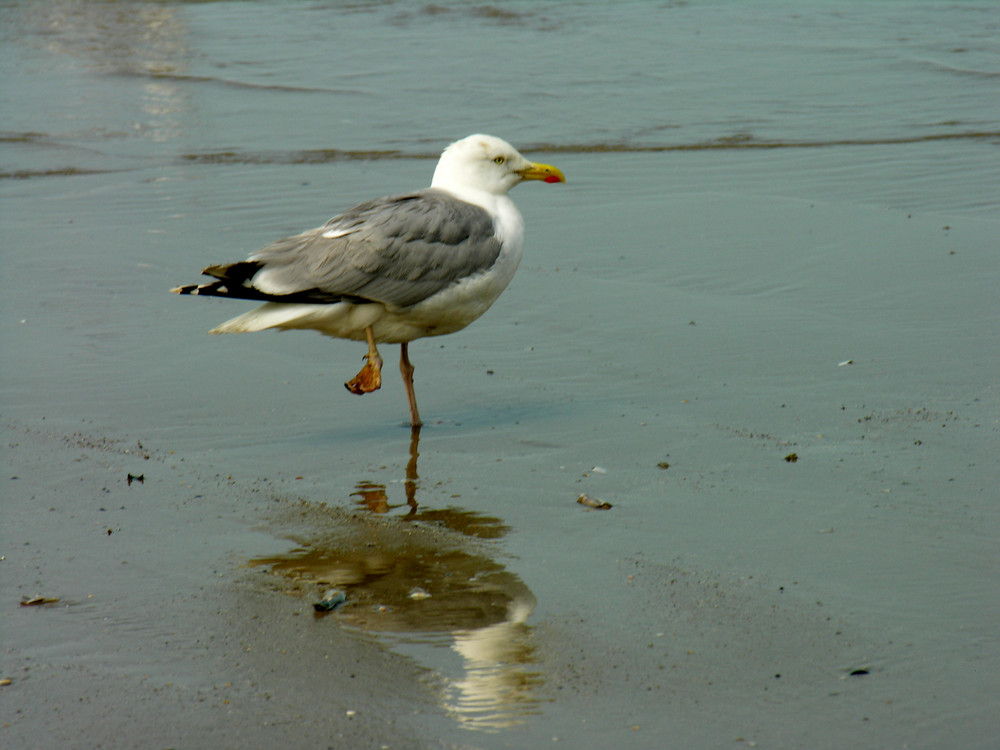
731, 143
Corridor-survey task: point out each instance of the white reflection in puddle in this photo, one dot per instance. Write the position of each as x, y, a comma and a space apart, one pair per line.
420, 583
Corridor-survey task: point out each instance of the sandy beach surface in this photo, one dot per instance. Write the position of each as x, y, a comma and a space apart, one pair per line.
759, 321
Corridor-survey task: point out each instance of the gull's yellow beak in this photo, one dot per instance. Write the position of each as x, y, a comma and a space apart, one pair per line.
544, 172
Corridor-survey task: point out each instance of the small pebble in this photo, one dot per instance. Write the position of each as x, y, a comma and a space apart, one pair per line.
330, 601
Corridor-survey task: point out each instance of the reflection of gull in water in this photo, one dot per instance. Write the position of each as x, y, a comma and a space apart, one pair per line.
496, 689
373, 495
469, 602
473, 605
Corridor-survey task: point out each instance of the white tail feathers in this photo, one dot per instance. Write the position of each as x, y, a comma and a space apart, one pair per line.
272, 315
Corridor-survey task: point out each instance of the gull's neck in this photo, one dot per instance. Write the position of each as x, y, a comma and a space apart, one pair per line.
506, 218
482, 198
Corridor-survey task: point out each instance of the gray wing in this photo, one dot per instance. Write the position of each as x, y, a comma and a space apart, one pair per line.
397, 250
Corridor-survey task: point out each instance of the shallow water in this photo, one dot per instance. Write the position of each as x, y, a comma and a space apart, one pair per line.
758, 195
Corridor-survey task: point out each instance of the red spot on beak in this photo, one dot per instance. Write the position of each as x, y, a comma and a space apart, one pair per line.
552, 178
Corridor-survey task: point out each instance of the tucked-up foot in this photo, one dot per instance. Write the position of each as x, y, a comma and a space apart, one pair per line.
369, 378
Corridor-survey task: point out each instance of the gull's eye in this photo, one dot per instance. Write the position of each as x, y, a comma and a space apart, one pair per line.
499, 160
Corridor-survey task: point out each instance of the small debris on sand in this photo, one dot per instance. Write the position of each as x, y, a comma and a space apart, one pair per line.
35, 601
330, 601
593, 502
417, 594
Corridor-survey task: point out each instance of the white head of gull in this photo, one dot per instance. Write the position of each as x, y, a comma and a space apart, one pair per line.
394, 269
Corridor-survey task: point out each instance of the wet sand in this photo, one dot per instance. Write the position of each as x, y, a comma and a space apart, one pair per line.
719, 601
760, 322
163, 645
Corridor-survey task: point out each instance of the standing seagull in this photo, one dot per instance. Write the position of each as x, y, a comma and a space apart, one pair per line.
393, 269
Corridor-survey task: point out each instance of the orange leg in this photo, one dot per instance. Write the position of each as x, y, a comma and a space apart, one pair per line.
406, 369
370, 377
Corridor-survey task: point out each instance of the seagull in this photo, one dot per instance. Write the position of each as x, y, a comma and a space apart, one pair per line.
393, 269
